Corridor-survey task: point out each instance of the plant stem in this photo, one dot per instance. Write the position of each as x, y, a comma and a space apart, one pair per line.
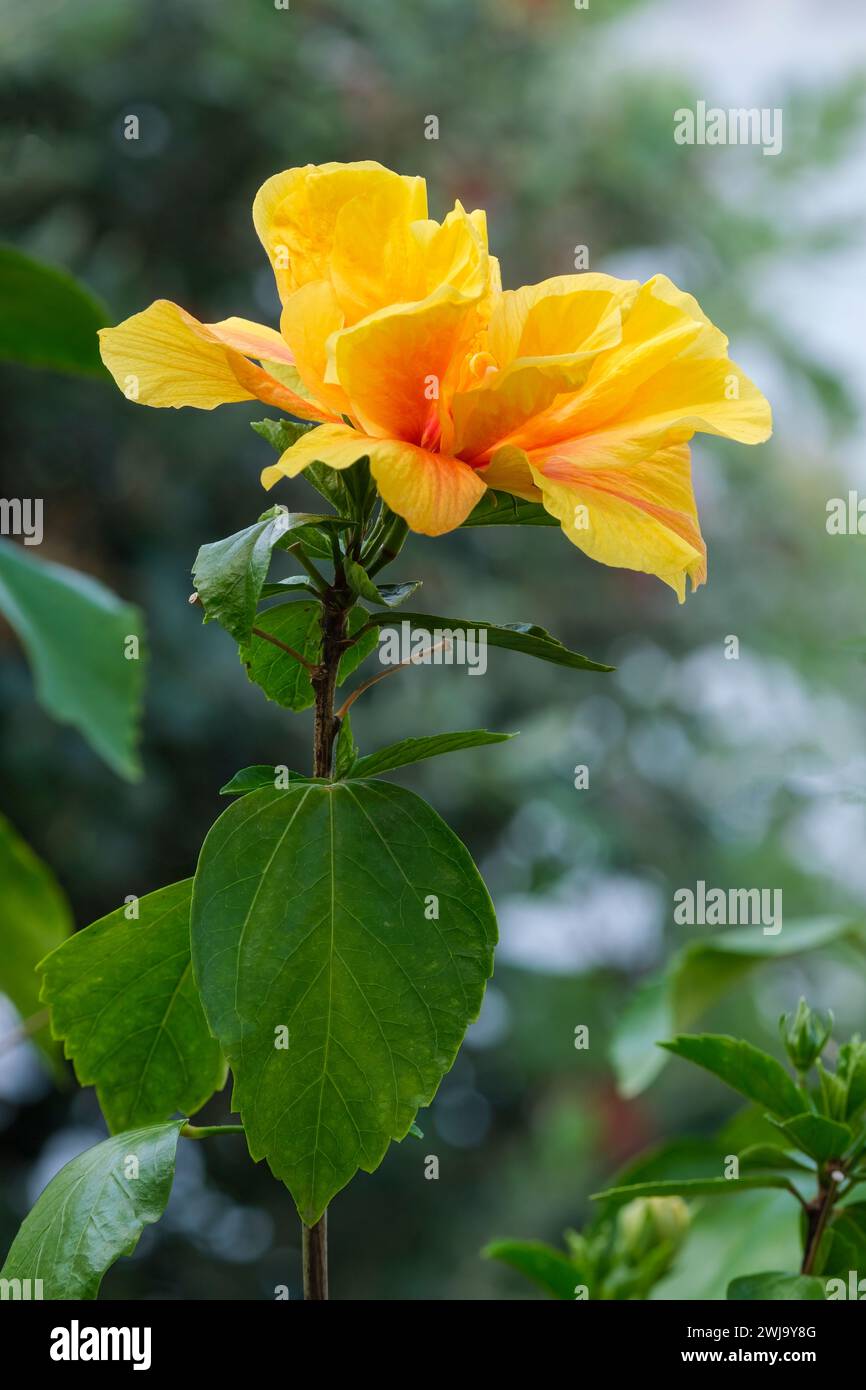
818, 1216
335, 608
315, 1259
209, 1131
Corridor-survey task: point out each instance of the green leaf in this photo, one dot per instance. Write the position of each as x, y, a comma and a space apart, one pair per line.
46, 318
414, 750
692, 1187
288, 587
816, 1135
249, 779
123, 998
502, 509
94, 1211
755, 1074
415, 1131
771, 1156
776, 1288
696, 977
360, 582
541, 1263
394, 594
34, 918
518, 637
312, 912
229, 575
299, 625
347, 749
281, 434
75, 633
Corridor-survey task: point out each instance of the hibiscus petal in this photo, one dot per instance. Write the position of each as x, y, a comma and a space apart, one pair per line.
396, 365
434, 493
165, 357
543, 340
641, 518
295, 214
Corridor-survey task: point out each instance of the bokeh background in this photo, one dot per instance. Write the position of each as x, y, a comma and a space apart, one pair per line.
752, 772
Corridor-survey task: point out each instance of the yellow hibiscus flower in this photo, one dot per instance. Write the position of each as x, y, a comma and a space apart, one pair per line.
581, 393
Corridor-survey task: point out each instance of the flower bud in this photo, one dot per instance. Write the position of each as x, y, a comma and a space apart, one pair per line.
649, 1221
805, 1034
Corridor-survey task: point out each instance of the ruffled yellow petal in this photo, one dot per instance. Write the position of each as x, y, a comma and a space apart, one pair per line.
396, 365
640, 518
542, 341
295, 214
165, 357
668, 378
434, 493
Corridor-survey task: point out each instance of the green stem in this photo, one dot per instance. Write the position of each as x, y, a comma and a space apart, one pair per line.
209, 1131
335, 609
319, 580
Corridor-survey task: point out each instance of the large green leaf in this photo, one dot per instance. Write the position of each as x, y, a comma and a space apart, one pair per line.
77, 636
123, 998
34, 918
545, 1266
502, 509
755, 1074
94, 1211
229, 575
46, 318
299, 625
414, 750
776, 1288
696, 977
315, 911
